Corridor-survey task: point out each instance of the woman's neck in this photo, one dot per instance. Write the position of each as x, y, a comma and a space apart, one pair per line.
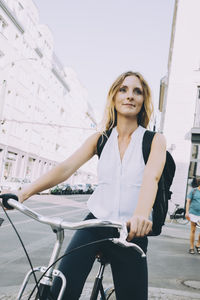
125, 128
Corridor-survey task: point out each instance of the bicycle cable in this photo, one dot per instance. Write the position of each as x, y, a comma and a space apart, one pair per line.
29, 260
75, 249
24, 248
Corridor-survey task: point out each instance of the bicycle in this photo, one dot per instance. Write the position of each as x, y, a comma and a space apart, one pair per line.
43, 285
177, 215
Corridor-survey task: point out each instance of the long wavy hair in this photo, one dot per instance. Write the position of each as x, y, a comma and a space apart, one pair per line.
110, 114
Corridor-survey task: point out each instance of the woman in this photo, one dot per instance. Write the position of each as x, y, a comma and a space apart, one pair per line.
193, 215
126, 191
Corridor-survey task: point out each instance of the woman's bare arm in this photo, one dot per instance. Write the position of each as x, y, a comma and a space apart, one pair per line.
63, 170
140, 224
187, 209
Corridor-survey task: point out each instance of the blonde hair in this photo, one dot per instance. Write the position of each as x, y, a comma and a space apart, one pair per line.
110, 113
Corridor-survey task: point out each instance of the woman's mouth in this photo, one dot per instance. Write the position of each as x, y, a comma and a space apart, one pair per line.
129, 104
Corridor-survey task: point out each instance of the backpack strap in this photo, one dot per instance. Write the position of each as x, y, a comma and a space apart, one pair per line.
102, 141
146, 144
160, 204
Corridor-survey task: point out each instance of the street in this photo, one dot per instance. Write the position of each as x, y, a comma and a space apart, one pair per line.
169, 263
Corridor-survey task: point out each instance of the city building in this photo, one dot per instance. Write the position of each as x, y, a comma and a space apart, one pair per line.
44, 111
179, 102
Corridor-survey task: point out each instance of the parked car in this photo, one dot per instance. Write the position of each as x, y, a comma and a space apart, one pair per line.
88, 188
66, 189
77, 188
94, 186
61, 189
56, 190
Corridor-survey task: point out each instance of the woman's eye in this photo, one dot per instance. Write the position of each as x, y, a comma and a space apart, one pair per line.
122, 89
137, 91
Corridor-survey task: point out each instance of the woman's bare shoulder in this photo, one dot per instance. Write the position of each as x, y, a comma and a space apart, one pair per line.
92, 140
159, 139
94, 137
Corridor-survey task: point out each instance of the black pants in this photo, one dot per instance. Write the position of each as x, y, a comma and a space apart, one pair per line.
129, 269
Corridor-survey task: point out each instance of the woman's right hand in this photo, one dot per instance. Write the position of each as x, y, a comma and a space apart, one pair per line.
187, 216
19, 195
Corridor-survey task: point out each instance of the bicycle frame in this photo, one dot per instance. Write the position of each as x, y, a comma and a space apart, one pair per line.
58, 225
51, 272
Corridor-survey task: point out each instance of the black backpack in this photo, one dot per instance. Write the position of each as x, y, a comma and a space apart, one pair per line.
160, 206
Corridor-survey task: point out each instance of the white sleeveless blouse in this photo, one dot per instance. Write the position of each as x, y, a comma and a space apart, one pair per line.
115, 197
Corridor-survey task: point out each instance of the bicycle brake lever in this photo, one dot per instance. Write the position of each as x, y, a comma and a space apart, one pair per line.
121, 241
124, 243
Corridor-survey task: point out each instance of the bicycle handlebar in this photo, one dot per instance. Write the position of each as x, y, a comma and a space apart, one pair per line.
61, 224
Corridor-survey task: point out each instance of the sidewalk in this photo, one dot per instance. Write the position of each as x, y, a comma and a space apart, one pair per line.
169, 230
9, 293
179, 232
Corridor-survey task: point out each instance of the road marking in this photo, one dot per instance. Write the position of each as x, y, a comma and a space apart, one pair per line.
36, 245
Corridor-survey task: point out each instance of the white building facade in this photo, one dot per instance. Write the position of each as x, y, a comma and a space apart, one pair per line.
180, 97
44, 111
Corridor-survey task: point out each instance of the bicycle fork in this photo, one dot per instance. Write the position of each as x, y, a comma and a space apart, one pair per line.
46, 281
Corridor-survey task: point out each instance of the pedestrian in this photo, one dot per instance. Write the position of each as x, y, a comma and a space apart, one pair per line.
126, 191
193, 215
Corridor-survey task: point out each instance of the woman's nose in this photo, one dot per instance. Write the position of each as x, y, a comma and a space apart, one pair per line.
130, 96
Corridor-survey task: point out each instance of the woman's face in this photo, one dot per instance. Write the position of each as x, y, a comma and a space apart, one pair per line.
129, 98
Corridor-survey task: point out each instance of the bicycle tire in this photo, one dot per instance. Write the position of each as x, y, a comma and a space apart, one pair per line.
182, 221
179, 216
110, 294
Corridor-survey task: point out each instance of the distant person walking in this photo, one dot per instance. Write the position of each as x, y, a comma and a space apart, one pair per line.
193, 215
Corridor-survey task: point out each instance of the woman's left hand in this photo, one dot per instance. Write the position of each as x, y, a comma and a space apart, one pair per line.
138, 226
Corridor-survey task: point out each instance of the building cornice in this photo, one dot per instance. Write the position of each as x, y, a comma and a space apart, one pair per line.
11, 16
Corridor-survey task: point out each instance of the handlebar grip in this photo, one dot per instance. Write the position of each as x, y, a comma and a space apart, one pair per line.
6, 197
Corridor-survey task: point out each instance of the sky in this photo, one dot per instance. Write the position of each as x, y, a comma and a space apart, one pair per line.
100, 39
